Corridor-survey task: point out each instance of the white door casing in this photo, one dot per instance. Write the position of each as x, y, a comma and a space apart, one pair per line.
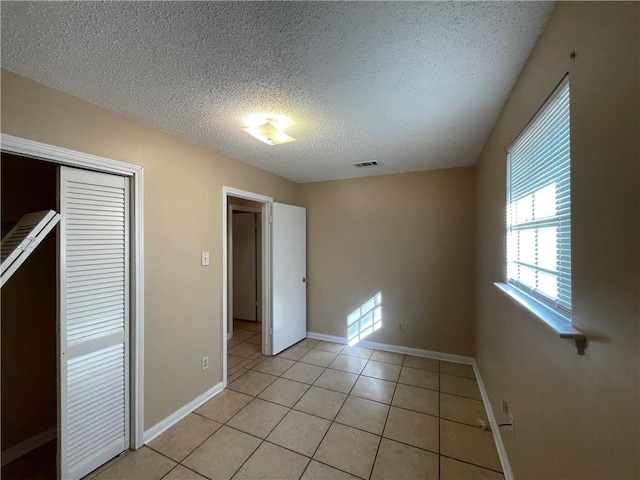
289, 265
265, 271
93, 319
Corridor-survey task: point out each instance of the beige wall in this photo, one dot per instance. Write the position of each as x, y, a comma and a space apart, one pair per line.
183, 216
29, 309
243, 202
409, 236
412, 238
575, 416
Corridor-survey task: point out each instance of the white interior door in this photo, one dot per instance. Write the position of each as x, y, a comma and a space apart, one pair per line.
94, 320
245, 298
289, 271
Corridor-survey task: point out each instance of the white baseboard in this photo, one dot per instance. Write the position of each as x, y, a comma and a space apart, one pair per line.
24, 447
416, 352
495, 430
449, 357
178, 415
328, 338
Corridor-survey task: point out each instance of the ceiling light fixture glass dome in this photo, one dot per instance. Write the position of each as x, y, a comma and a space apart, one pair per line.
268, 128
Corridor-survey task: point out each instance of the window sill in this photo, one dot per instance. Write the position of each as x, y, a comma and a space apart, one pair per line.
554, 322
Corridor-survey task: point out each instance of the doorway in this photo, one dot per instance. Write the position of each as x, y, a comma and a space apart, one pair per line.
100, 202
245, 257
29, 338
283, 276
244, 337
246, 279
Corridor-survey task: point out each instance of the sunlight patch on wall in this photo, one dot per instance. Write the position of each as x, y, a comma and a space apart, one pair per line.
365, 320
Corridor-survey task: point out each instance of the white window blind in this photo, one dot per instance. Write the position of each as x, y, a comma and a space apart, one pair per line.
539, 205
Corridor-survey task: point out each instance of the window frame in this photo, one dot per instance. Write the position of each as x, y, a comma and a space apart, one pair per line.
562, 223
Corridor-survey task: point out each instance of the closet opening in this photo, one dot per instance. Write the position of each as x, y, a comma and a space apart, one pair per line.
72, 315
28, 323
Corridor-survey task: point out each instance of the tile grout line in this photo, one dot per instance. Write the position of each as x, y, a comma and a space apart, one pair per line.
263, 440
246, 459
359, 375
172, 469
194, 471
278, 423
331, 422
179, 462
233, 416
355, 395
396, 383
368, 360
375, 458
339, 410
473, 464
310, 458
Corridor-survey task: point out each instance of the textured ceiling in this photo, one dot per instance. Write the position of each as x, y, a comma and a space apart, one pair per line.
411, 85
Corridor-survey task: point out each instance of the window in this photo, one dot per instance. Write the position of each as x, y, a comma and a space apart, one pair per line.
539, 206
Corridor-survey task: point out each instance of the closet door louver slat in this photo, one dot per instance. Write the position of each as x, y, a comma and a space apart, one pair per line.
94, 322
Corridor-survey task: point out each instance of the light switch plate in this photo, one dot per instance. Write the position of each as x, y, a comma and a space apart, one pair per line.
205, 259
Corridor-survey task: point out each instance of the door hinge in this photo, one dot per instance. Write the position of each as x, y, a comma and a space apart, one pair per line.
270, 330
270, 219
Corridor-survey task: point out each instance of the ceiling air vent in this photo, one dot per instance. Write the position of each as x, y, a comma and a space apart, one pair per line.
365, 164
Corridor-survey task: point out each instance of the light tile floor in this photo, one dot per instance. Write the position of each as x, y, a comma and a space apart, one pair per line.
320, 410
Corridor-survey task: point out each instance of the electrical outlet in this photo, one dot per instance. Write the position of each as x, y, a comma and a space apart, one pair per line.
205, 363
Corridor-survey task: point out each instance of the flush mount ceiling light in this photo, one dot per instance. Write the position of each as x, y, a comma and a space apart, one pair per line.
268, 128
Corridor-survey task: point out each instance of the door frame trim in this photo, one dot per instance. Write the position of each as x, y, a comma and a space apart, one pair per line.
266, 269
72, 158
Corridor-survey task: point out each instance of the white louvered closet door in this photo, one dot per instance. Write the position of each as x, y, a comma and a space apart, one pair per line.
94, 320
